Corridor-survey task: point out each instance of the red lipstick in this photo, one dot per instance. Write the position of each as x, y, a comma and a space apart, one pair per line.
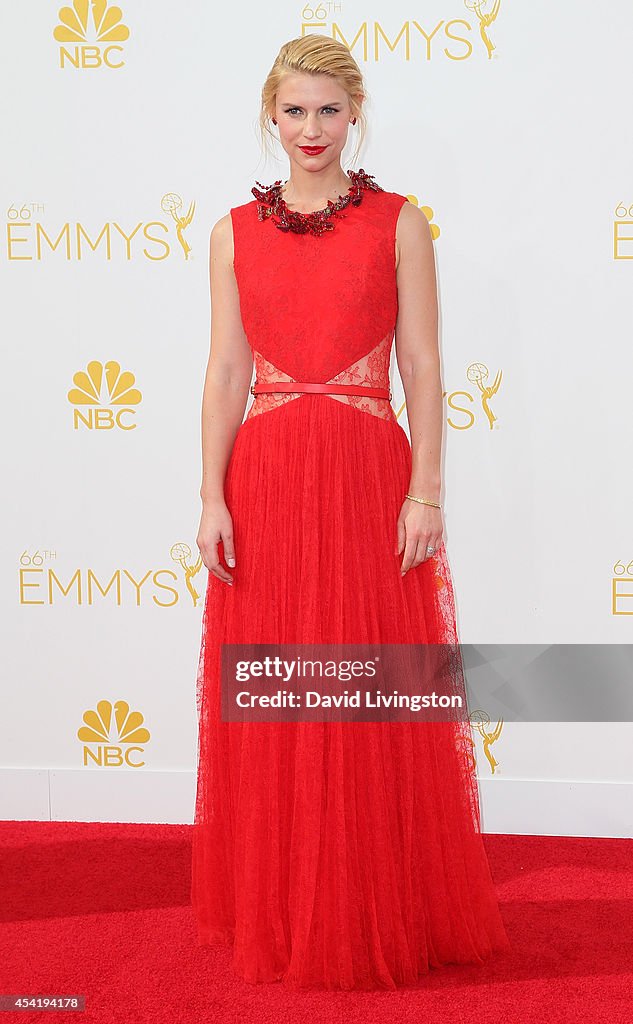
312, 150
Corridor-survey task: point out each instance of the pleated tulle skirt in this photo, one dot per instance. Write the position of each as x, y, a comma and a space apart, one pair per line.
337, 854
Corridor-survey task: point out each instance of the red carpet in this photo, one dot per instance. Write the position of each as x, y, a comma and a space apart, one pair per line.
103, 910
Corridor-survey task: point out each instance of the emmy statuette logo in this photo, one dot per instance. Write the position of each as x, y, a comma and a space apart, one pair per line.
172, 204
485, 18
481, 721
181, 553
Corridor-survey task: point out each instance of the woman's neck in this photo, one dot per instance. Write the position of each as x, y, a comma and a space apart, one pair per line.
305, 188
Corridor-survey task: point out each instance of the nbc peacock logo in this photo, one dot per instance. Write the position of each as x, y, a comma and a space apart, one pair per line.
90, 33
104, 397
113, 736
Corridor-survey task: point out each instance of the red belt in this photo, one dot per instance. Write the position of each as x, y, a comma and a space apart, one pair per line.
321, 389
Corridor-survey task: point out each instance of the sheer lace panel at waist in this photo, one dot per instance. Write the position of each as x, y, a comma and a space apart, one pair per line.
371, 370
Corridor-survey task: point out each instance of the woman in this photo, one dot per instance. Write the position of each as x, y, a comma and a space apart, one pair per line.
336, 854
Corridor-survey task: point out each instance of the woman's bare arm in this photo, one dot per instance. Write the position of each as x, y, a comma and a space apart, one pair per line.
419, 527
417, 350
229, 369
228, 376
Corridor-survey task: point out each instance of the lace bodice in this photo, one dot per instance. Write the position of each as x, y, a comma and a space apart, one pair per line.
370, 371
320, 309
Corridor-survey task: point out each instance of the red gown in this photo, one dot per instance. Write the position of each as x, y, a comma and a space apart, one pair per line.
330, 854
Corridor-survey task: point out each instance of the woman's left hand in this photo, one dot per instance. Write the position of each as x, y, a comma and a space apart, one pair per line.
419, 526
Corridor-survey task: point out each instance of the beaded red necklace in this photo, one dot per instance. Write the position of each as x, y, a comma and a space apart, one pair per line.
271, 204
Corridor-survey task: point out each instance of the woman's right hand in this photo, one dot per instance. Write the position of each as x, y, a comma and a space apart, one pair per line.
216, 526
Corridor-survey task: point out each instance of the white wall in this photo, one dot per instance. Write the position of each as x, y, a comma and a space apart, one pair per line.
525, 159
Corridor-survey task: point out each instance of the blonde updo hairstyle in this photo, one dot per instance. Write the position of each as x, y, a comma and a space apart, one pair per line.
315, 55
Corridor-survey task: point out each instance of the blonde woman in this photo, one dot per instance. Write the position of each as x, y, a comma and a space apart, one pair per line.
342, 854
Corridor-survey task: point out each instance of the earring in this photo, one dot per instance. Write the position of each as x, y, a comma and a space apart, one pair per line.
274, 122
353, 120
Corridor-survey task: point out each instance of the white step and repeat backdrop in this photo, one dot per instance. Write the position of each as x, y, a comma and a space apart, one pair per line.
128, 132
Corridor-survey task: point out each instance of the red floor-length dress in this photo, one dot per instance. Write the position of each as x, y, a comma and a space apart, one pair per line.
330, 854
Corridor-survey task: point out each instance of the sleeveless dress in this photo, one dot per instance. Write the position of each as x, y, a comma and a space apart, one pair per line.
339, 855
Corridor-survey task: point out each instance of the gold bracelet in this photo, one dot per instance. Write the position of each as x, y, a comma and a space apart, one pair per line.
424, 501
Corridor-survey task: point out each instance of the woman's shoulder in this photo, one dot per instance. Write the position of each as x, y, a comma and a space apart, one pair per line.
225, 230
381, 197
249, 204
396, 198
243, 215
386, 205
241, 208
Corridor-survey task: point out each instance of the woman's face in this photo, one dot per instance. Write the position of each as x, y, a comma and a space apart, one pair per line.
312, 111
